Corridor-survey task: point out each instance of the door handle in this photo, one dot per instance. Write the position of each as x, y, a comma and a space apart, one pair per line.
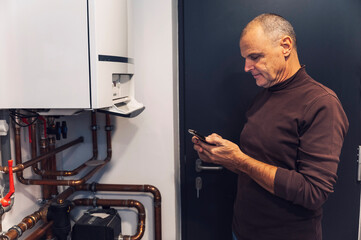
200, 167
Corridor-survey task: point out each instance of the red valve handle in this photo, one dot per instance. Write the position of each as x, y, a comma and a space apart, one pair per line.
6, 201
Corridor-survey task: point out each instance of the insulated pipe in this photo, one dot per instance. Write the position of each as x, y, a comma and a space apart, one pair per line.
41, 231
119, 203
132, 188
59, 182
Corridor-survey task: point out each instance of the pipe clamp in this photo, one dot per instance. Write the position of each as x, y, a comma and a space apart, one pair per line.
18, 229
109, 128
93, 187
95, 202
3, 235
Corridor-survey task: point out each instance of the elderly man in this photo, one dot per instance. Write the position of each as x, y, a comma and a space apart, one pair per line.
290, 145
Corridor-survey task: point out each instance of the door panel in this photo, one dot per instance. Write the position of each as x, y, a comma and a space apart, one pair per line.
215, 94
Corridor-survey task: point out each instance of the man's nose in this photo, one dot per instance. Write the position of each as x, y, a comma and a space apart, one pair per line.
248, 65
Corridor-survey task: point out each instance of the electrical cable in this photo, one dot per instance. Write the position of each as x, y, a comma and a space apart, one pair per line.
29, 114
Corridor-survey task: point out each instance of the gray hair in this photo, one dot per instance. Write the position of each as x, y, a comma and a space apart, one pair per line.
274, 26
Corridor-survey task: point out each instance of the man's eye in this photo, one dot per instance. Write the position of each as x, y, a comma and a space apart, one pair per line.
254, 57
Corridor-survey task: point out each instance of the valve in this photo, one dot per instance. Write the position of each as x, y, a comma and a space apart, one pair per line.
55, 129
6, 201
64, 130
58, 130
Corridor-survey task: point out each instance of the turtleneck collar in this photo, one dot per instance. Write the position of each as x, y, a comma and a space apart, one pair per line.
287, 82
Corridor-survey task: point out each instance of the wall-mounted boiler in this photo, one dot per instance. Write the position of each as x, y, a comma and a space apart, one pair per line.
62, 56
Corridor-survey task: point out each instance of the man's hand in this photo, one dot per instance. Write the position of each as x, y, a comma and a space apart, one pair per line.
225, 152
228, 154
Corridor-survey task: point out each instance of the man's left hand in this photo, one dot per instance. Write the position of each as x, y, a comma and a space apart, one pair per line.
225, 153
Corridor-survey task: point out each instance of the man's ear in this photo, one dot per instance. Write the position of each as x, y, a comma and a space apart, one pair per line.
287, 45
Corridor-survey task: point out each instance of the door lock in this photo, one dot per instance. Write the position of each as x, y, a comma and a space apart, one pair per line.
200, 167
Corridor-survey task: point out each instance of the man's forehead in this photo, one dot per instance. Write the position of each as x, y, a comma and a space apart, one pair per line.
249, 43
252, 41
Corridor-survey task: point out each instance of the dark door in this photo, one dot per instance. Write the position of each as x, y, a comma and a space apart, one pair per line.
215, 93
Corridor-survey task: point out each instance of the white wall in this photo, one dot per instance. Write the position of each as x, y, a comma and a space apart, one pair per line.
145, 149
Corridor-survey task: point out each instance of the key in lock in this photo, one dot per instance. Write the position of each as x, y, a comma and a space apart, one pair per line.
198, 184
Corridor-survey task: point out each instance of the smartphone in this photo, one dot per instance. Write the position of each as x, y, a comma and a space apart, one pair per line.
199, 136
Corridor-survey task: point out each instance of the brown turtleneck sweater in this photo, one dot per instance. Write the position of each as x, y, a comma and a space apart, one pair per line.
299, 126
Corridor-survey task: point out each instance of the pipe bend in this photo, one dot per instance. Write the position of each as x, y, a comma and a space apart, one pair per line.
138, 205
156, 193
77, 182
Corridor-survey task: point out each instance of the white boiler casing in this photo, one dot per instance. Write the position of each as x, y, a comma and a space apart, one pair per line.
66, 55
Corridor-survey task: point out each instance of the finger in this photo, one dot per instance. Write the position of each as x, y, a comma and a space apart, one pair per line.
203, 156
195, 139
210, 144
215, 135
215, 139
198, 148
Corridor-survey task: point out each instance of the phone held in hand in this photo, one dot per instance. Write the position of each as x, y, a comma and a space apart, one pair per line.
199, 136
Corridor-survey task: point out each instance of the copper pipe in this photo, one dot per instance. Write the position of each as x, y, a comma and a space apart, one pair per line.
64, 195
51, 166
119, 203
42, 151
60, 182
56, 150
33, 142
133, 188
34, 148
41, 231
94, 187
21, 166
16, 168
44, 148
27, 223
52, 159
54, 172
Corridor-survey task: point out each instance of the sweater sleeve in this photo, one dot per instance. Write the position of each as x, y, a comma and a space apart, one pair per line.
321, 134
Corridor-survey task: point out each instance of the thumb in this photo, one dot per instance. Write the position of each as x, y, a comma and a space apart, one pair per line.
214, 138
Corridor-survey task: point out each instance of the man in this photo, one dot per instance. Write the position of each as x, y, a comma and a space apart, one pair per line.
290, 145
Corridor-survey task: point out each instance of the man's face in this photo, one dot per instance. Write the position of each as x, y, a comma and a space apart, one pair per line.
263, 58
